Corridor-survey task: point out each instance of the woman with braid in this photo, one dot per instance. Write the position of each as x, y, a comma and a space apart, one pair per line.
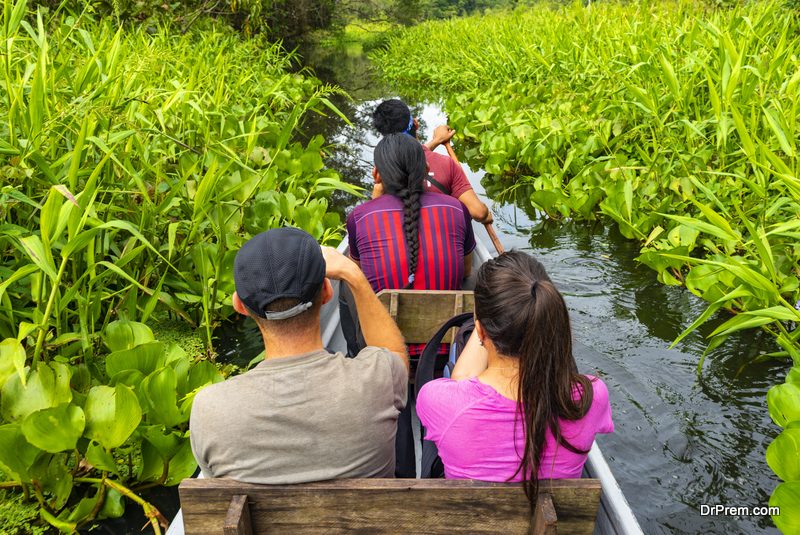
515, 407
406, 237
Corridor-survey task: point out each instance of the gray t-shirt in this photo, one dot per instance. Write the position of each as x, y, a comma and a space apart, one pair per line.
309, 417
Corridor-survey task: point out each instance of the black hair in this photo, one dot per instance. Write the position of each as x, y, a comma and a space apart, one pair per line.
525, 317
401, 163
393, 117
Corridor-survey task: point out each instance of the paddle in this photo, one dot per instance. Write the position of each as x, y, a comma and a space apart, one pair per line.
489, 228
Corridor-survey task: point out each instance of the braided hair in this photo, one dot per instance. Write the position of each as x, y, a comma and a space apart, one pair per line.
401, 163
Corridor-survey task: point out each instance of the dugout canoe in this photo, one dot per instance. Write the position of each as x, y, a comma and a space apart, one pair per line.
614, 516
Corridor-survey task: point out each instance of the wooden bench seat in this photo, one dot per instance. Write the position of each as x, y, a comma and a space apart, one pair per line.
383, 506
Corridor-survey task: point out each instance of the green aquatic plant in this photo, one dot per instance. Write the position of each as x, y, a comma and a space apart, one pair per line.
70, 432
674, 121
134, 164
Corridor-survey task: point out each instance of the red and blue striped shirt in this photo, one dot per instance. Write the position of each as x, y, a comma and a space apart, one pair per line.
377, 242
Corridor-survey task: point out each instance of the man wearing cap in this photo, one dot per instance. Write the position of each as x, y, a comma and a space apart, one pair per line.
303, 414
445, 175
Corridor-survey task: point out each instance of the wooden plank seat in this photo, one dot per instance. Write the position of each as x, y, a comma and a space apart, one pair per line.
419, 313
384, 506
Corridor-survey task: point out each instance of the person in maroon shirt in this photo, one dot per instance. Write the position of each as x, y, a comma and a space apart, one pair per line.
406, 238
445, 175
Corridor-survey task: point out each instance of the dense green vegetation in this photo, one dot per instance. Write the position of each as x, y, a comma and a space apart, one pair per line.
135, 162
675, 121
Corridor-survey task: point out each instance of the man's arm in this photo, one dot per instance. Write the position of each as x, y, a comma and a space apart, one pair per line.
467, 265
479, 211
441, 134
377, 326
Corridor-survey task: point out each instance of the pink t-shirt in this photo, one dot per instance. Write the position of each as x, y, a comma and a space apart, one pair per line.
473, 426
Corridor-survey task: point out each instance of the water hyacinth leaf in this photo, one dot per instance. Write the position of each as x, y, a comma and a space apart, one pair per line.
113, 506
784, 403
202, 374
793, 376
144, 358
786, 496
47, 387
84, 509
56, 429
181, 465
783, 455
166, 443
160, 389
54, 478
100, 458
152, 465
112, 414
12, 358
16, 455
122, 334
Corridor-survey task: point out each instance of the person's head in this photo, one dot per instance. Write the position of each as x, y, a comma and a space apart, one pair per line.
520, 314
394, 117
280, 281
402, 169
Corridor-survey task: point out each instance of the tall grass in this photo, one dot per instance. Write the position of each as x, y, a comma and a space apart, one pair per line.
132, 167
676, 122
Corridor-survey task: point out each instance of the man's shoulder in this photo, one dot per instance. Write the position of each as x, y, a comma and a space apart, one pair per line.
378, 357
433, 156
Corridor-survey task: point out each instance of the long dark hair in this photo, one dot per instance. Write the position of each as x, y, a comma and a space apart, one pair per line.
525, 317
401, 163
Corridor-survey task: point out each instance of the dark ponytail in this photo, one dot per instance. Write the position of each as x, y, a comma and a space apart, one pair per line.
525, 316
401, 163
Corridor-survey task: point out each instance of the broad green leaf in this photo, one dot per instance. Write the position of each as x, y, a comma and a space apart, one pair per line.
144, 358
55, 429
160, 389
12, 358
182, 464
202, 374
47, 387
783, 455
122, 334
112, 414
166, 444
113, 506
100, 458
784, 403
16, 455
787, 497
84, 509
793, 376
54, 477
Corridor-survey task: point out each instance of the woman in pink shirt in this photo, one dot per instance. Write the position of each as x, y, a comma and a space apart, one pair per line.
516, 404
